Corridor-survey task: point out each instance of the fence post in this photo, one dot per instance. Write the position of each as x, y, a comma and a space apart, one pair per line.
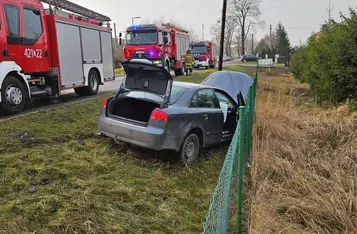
255, 84
242, 122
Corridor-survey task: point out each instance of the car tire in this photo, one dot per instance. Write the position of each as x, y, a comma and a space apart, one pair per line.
93, 85
13, 96
190, 149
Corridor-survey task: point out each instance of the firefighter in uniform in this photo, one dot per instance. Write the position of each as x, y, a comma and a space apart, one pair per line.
188, 60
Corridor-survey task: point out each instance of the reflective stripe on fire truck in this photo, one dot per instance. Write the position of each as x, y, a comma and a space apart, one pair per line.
7, 67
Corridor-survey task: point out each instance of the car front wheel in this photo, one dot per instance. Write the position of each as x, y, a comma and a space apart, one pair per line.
190, 149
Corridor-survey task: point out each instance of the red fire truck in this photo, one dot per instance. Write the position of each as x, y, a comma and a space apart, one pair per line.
205, 53
164, 45
45, 51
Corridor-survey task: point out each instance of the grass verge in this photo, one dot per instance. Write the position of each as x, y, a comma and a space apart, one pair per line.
305, 157
57, 176
119, 72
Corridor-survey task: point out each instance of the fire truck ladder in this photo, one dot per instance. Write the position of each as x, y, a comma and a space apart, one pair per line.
75, 8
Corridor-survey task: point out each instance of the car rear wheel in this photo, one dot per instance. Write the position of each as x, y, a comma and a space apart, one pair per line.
190, 149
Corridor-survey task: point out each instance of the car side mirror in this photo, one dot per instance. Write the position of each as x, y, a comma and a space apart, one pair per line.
120, 34
240, 99
166, 40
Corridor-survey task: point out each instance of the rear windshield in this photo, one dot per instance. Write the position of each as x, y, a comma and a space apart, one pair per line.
176, 93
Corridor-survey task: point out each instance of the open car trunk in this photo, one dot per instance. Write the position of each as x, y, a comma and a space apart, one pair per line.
132, 109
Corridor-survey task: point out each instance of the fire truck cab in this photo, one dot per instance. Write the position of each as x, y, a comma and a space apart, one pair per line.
163, 45
45, 51
204, 53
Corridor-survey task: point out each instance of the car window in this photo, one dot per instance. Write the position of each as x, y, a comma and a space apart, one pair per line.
223, 98
194, 101
176, 93
206, 99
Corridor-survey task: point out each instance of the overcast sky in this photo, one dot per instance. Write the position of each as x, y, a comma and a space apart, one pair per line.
299, 17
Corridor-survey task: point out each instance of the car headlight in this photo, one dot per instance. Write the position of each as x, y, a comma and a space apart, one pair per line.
157, 62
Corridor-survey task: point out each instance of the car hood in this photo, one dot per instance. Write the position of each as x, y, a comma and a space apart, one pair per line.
230, 82
147, 77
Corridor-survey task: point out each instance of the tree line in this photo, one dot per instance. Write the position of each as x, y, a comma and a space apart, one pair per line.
243, 17
276, 43
242, 20
328, 61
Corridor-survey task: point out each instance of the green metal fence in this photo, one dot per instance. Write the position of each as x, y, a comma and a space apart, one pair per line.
227, 200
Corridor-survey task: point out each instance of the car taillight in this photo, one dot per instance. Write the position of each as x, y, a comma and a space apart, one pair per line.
159, 116
105, 103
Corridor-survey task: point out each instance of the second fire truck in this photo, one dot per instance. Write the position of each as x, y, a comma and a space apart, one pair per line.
164, 45
45, 51
205, 53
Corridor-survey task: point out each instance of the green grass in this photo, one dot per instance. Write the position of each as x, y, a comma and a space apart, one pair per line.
119, 72
58, 176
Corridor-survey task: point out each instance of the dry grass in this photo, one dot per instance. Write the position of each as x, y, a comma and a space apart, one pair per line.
304, 166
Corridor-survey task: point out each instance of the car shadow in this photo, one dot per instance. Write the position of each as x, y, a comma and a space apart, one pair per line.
167, 157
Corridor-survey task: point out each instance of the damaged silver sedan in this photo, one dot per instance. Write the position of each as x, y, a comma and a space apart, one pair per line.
153, 111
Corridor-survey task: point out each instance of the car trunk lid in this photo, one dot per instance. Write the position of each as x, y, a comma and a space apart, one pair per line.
148, 78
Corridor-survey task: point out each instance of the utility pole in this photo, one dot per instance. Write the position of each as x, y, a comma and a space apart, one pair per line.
329, 10
203, 32
116, 38
252, 44
270, 38
223, 26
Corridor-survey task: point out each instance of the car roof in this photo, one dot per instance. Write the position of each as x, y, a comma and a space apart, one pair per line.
188, 85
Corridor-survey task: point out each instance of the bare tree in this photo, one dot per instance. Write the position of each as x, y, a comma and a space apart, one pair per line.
246, 13
230, 28
215, 32
228, 34
237, 41
193, 35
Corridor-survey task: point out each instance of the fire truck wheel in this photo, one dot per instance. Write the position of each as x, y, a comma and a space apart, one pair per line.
93, 85
13, 96
179, 72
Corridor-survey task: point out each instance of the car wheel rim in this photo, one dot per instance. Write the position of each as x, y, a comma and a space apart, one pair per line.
13, 95
93, 82
190, 150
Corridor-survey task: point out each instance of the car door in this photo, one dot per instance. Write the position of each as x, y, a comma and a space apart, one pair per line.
229, 111
211, 114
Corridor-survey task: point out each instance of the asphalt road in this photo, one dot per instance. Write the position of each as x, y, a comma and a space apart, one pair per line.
68, 97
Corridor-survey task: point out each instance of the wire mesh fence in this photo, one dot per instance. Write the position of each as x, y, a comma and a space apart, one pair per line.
227, 199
